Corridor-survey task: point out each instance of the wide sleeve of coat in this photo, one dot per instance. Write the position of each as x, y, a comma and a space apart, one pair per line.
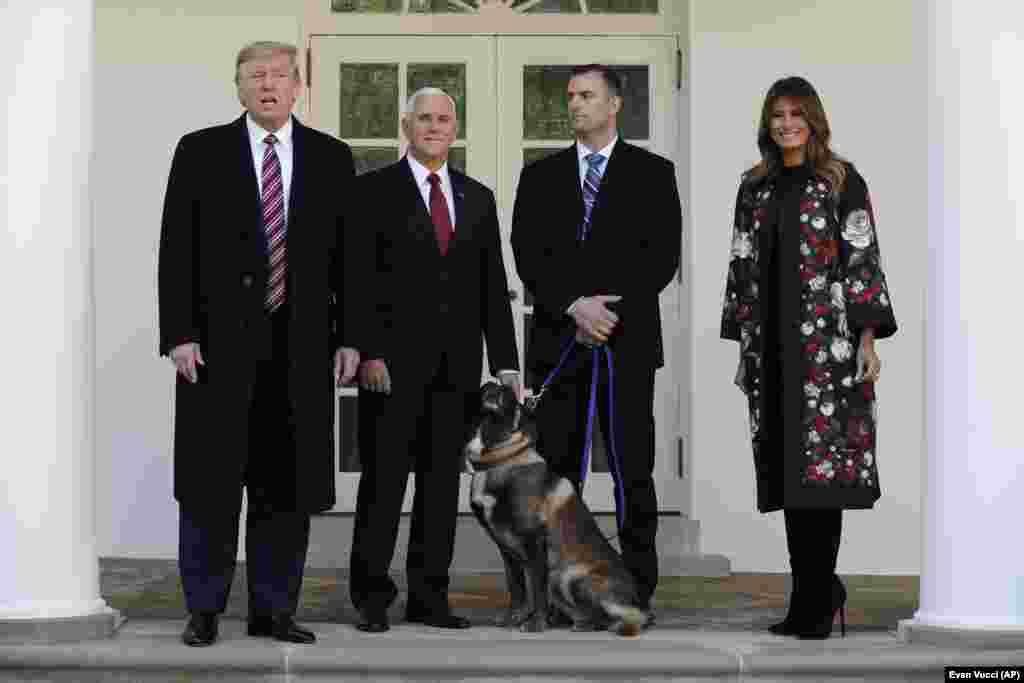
733, 306
176, 266
868, 304
659, 247
352, 251
495, 309
554, 285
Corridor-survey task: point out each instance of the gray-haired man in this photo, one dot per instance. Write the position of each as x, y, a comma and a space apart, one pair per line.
439, 289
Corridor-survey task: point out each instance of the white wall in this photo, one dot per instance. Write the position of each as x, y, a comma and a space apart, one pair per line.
162, 69
867, 61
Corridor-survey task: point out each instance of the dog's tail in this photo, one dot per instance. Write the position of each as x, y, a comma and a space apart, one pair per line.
629, 620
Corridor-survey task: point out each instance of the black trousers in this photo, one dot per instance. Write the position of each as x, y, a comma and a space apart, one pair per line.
276, 532
420, 429
562, 422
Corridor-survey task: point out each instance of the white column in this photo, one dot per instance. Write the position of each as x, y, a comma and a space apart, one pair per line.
49, 572
972, 579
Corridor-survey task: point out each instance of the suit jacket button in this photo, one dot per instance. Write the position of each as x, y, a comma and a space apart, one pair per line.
443, 308
247, 280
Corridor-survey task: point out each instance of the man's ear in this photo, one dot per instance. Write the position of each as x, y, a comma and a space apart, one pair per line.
617, 104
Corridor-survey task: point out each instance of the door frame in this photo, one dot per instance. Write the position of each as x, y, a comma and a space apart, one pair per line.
674, 491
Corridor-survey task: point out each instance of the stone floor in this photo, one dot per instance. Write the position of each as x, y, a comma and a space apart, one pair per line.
709, 629
151, 589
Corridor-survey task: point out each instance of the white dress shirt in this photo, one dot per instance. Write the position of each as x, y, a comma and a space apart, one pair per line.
285, 155
422, 175
583, 151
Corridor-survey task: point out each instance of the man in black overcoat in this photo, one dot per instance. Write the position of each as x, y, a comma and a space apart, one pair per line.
257, 307
596, 237
439, 290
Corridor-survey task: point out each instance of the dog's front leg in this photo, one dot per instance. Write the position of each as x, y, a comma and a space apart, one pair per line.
515, 577
537, 586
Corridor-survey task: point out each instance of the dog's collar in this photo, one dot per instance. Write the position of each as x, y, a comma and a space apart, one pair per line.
505, 454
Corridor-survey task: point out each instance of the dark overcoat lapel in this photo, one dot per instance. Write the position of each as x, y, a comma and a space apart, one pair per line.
463, 227
248, 187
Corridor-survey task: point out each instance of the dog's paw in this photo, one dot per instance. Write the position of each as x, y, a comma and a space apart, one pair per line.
512, 617
557, 617
588, 626
536, 623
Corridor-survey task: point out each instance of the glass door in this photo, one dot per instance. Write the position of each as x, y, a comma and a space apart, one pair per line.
358, 89
510, 94
533, 122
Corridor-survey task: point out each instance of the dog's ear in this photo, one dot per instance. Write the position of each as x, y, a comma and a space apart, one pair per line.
491, 396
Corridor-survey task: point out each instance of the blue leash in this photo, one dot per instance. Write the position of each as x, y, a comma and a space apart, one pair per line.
613, 458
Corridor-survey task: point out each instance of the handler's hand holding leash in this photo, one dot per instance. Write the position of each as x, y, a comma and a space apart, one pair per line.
594, 321
374, 376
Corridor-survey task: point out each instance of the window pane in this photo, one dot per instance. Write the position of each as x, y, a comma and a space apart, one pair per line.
623, 6
372, 158
448, 77
635, 117
532, 154
366, 5
369, 101
436, 6
545, 113
348, 448
551, 6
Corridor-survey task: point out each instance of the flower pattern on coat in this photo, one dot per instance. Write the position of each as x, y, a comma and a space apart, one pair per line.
843, 292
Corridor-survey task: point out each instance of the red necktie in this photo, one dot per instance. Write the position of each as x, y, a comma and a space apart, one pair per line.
439, 214
273, 224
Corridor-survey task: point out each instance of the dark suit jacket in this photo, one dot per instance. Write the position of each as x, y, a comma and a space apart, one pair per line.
425, 304
212, 277
632, 251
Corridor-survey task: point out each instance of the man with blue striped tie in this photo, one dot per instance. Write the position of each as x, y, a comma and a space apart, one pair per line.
597, 227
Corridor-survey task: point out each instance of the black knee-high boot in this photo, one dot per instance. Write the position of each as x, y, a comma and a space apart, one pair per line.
823, 592
794, 538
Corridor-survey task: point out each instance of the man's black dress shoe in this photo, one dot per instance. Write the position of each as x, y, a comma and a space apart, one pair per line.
281, 628
201, 630
373, 620
440, 619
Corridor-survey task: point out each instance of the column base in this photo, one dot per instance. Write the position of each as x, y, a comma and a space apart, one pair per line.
970, 637
60, 629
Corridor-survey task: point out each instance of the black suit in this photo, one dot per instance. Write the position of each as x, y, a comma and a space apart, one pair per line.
632, 251
261, 414
432, 313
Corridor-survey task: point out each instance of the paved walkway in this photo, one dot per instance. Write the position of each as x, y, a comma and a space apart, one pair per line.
146, 651
708, 629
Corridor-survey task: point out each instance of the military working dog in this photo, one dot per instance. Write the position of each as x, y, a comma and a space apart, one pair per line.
555, 554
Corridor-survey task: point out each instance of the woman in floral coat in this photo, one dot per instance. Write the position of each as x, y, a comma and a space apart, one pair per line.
806, 299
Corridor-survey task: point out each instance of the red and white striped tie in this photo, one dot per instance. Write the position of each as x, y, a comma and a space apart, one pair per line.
273, 223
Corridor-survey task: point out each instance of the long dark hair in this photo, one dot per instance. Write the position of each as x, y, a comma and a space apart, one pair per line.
818, 155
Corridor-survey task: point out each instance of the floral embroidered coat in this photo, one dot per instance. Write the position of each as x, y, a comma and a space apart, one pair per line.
805, 272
